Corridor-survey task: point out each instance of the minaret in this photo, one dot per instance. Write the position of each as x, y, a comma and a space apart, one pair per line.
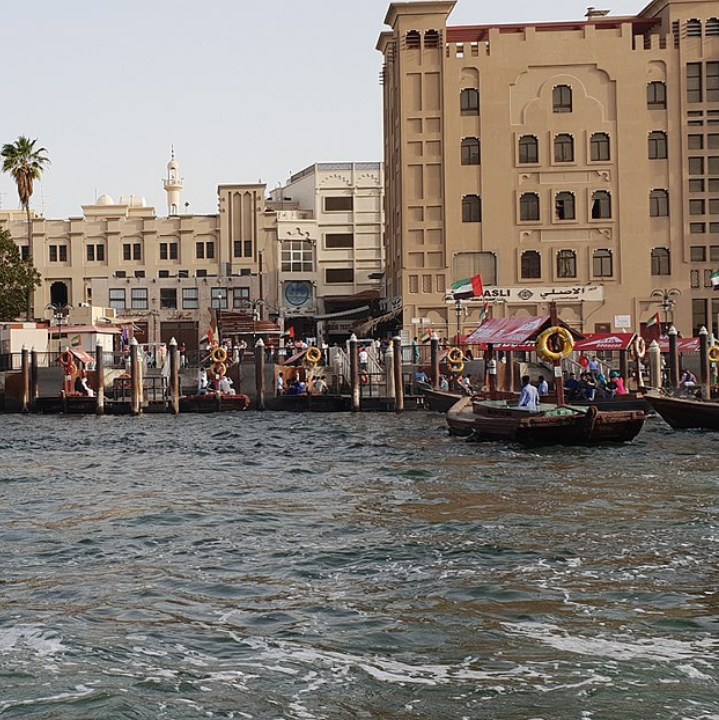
173, 185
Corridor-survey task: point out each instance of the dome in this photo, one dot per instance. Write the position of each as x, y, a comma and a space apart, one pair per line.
104, 200
173, 165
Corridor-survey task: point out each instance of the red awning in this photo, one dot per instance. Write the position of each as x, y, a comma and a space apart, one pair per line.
514, 333
605, 341
83, 357
684, 345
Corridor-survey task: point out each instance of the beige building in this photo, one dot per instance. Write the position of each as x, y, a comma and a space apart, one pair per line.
575, 161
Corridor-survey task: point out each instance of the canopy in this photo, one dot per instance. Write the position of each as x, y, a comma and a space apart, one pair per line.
605, 342
514, 333
83, 357
684, 345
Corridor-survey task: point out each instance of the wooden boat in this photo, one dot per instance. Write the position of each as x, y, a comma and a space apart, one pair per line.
550, 425
214, 402
685, 413
440, 400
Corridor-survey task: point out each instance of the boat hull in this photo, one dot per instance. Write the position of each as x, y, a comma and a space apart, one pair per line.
685, 414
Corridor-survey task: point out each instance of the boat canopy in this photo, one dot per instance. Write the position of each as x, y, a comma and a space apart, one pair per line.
515, 333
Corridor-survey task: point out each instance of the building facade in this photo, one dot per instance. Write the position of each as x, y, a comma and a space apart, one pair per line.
574, 161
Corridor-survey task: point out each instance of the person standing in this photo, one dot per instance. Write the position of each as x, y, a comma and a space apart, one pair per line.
529, 396
279, 385
363, 357
543, 387
415, 351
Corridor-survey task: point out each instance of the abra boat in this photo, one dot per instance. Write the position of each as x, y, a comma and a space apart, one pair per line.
685, 413
550, 425
214, 402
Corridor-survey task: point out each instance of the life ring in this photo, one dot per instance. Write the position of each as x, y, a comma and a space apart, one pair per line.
713, 353
218, 355
639, 347
541, 344
456, 367
219, 369
70, 368
455, 355
66, 358
313, 355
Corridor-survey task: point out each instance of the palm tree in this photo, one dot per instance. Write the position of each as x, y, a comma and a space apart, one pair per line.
25, 163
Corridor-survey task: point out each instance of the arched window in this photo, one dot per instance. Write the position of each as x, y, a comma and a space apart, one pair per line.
599, 147
531, 265
601, 205
562, 99
566, 264
564, 206
414, 39
694, 28
469, 101
661, 262
470, 151
563, 148
471, 208
659, 203
431, 39
657, 145
528, 149
529, 206
711, 27
602, 263
656, 96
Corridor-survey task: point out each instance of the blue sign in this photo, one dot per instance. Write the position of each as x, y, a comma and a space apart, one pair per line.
298, 294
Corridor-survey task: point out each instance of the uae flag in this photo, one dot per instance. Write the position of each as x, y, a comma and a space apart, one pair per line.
470, 288
715, 280
653, 320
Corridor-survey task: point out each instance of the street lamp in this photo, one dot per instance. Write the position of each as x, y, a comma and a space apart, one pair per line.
59, 314
667, 301
458, 312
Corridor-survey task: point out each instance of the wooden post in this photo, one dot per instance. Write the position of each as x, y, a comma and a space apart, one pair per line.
100, 375
34, 379
134, 377
434, 356
673, 357
655, 365
623, 365
174, 388
558, 375
260, 375
490, 364
354, 374
389, 371
704, 368
25, 370
398, 380
509, 374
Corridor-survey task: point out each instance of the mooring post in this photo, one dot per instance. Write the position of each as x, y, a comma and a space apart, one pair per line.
354, 374
434, 356
673, 357
704, 368
623, 365
34, 379
134, 377
174, 388
389, 371
100, 375
655, 365
25, 370
398, 380
509, 371
260, 375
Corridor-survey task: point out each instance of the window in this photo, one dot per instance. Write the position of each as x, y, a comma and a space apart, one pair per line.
201, 273
696, 165
127, 251
62, 249
137, 251
413, 39
190, 299
599, 147
24, 252
660, 262
340, 203
237, 248
711, 28
696, 186
339, 275
562, 99
117, 298
163, 273
713, 165
168, 251
200, 250
601, 205
431, 39
138, 299
697, 228
168, 298
139, 273
164, 251
713, 206
529, 206
470, 151
566, 264
413, 284
695, 142
697, 253
714, 253
240, 297
471, 264
339, 241
469, 101
531, 265
694, 28
707, 278
53, 253
297, 256
100, 253
712, 78
657, 145
694, 278
694, 82
564, 206
91, 253
656, 96
712, 141
218, 298
210, 250
602, 263
659, 203
563, 148
696, 207
58, 253
471, 208
248, 248
528, 149
699, 315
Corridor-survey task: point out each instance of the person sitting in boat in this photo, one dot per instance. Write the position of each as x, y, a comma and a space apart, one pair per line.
203, 384
621, 387
612, 385
571, 387
319, 386
225, 386
443, 383
587, 387
465, 383
543, 386
420, 377
81, 385
529, 397
688, 381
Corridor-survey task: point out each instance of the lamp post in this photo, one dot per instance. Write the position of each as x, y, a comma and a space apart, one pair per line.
59, 314
667, 301
256, 306
458, 312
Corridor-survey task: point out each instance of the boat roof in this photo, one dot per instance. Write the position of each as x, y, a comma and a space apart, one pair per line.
510, 333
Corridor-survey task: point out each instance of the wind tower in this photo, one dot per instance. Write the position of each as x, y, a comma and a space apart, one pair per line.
173, 185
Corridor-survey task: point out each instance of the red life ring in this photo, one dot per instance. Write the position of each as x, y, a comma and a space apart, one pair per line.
66, 358
639, 347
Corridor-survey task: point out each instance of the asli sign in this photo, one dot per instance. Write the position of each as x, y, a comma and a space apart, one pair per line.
575, 293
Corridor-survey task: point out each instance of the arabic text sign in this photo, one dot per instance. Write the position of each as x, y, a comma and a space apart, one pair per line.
532, 294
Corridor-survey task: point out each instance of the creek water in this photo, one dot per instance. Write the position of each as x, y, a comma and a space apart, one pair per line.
303, 567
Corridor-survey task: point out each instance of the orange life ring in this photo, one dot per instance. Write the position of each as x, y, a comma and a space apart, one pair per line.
219, 369
639, 347
456, 368
455, 355
66, 358
713, 353
70, 368
313, 355
218, 354
541, 344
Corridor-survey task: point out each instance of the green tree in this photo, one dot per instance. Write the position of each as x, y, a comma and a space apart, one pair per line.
18, 277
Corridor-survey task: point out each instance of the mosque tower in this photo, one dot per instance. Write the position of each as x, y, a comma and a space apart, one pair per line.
173, 185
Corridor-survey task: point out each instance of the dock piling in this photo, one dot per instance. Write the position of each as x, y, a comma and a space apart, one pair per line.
25, 370
434, 359
398, 381
354, 374
135, 377
174, 388
655, 365
673, 333
260, 374
389, 371
100, 375
704, 366
34, 379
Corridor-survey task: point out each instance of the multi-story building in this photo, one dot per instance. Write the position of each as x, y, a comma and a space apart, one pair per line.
572, 161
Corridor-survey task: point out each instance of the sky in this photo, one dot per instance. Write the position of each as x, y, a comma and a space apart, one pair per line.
244, 91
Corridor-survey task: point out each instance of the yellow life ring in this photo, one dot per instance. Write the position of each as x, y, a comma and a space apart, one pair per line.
713, 353
456, 367
313, 355
65, 358
639, 347
455, 355
218, 355
541, 344
219, 368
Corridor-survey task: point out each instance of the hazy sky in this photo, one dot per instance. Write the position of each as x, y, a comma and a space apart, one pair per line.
244, 90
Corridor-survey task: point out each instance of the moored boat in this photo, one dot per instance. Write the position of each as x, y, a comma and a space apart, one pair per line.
685, 413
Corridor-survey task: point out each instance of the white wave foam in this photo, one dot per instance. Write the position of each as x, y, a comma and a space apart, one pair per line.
30, 637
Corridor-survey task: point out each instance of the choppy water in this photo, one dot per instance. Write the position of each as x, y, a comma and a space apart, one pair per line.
299, 567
